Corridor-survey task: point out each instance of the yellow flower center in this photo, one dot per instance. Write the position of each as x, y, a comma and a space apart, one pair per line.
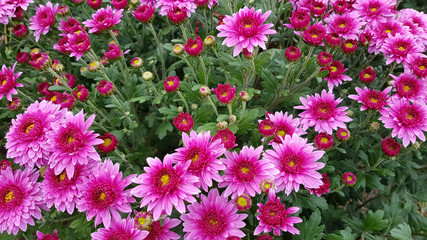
224, 94
141, 220
194, 46
367, 75
31, 126
388, 31
349, 45
267, 186
401, 48
281, 133
323, 140
213, 222
53, 99
291, 163
164, 179
314, 35
342, 25
9, 196
70, 139
92, 64
106, 142
406, 88
422, 67
242, 201
245, 170
79, 94
409, 116
343, 134
136, 61
333, 69
248, 25
272, 214
374, 100
3, 82
267, 127
102, 196
349, 178
373, 9
62, 175
195, 158
184, 121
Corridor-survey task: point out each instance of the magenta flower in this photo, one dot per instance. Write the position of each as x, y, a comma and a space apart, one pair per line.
114, 53
418, 66
292, 54
323, 188
285, 125
409, 87
104, 194
349, 179
372, 11
390, 147
321, 112
103, 19
184, 122
162, 186
398, 48
274, 216
245, 29
171, 83
71, 143
78, 44
416, 22
347, 25
383, 31
43, 19
27, 137
203, 153
61, 191
21, 199
323, 141
158, 231
213, 218
406, 121
371, 99
336, 75
167, 6
144, 13
297, 163
120, 229
245, 172
194, 47
314, 34
8, 82
6, 11
69, 26
227, 138
47, 236
225, 93
299, 20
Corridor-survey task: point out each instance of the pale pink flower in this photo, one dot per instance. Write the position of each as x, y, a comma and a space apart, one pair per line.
104, 19
347, 25
371, 99
169, 5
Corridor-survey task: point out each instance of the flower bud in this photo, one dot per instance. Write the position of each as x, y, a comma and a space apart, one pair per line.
180, 109
63, 11
136, 62
349, 179
15, 104
416, 145
232, 119
194, 106
243, 202
350, 113
171, 84
210, 40
148, 76
266, 185
94, 66
374, 126
205, 91
244, 96
143, 220
343, 134
178, 49
222, 125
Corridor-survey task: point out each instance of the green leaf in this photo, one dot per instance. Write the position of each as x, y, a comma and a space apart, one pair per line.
163, 129
310, 229
374, 221
141, 99
247, 121
402, 232
323, 74
56, 88
261, 60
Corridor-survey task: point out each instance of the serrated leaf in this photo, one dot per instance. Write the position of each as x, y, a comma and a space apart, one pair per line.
163, 129
56, 88
141, 99
310, 229
374, 221
261, 60
402, 232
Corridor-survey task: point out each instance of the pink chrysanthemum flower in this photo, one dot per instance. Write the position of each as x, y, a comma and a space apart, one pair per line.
406, 121
244, 172
8, 82
227, 138
349, 179
321, 112
314, 34
160, 231
144, 13
104, 194
21, 199
61, 191
120, 229
47, 236
299, 20
398, 48
114, 53
323, 141
78, 44
72, 143
15, 104
203, 153
382, 31
245, 29
347, 25
225, 93
367, 75
417, 23
184, 122
103, 19
169, 5
323, 188
274, 216
213, 218
418, 66
27, 137
69, 26
285, 125
266, 127
6, 11
297, 162
162, 186
374, 10
43, 19
409, 87
371, 99
336, 74
390, 147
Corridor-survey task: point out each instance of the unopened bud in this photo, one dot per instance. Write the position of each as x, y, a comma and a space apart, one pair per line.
194, 106
232, 118
210, 41
148, 76
205, 91
180, 109
178, 49
374, 126
244, 96
416, 145
350, 113
222, 125
94, 66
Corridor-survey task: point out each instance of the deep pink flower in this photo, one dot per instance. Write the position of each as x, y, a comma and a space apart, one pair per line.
43, 88
419, 66
390, 147
15, 104
417, 23
171, 84
27, 137
349, 179
274, 216
225, 93
78, 44
336, 74
70, 78
104, 194
314, 34
203, 153
63, 11
164, 186
324, 59
371, 99
5, 164
317, 8
69, 26
194, 47
114, 53
8, 82
367, 75
243, 203
158, 231
43, 19
382, 31
340, 6
104, 19
333, 40
285, 124
323, 188
62, 45
65, 100
109, 144
347, 25
22, 57
94, 4
19, 11
227, 138
349, 46
343, 134
21, 199
184, 122
20, 30
81, 93
321, 112
365, 38
374, 10
244, 172
177, 15
292, 54
399, 47
186, 6
144, 13
105, 88
299, 20
6, 11
297, 162
324, 141
119, 229
409, 87
71, 143
47, 236
245, 29
266, 128
213, 218
407, 121
119, 4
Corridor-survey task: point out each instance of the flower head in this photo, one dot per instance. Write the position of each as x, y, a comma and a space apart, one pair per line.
367, 75
78, 44
194, 47
409, 87
225, 93
20, 30
324, 59
266, 127
343, 134
285, 124
390, 147
104, 19
243, 202
177, 15
419, 66
333, 40
314, 34
336, 75
227, 138
374, 10
94, 4
186, 6
349, 46
323, 188
184, 122
347, 25
15, 104
119, 229
105, 88
399, 47
349, 179
109, 144
162, 231
292, 54
47, 236
300, 19
114, 53
43, 19
323, 141
171, 84
69, 26
371, 99
119, 4
22, 57
8, 82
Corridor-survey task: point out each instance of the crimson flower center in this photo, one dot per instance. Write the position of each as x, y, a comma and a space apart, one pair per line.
323, 111
72, 139
166, 181
10, 196
291, 163
198, 159
103, 196
409, 116
213, 223
248, 26
273, 213
244, 170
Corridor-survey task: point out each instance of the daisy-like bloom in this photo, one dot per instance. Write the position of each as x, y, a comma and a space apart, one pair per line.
69, 26
78, 44
209, 41
382, 31
109, 144
340, 6
225, 93
323, 188
323, 141
15, 104
144, 13
5, 164
119, 4
43, 19
194, 47
171, 84
284, 124
347, 25
114, 53
244, 172
186, 6
300, 20
94, 66
419, 66
292, 54
162, 186
297, 163
143, 220
27, 137
333, 40
398, 48
136, 62
65, 100
416, 22
343, 134
158, 231
177, 15
70, 78
104, 194
243, 202
71, 143
21, 199
213, 218
374, 10
314, 34
407, 121
324, 59
63, 11
43, 88
390, 147
62, 45
317, 8
336, 75
349, 179
245, 29
409, 87
273, 215
349, 46
184, 122
104, 61
47, 236
227, 138
81, 93
119, 229
321, 111
105, 88
61, 191
366, 38
266, 185
22, 57
371, 99
266, 127
20, 30
104, 19
203, 154
94, 4
8, 82
367, 75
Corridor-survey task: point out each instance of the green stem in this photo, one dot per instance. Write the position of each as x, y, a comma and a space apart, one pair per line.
213, 106
202, 62
121, 108
159, 49
230, 109
191, 68
184, 33
25, 95
305, 62
183, 100
130, 23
